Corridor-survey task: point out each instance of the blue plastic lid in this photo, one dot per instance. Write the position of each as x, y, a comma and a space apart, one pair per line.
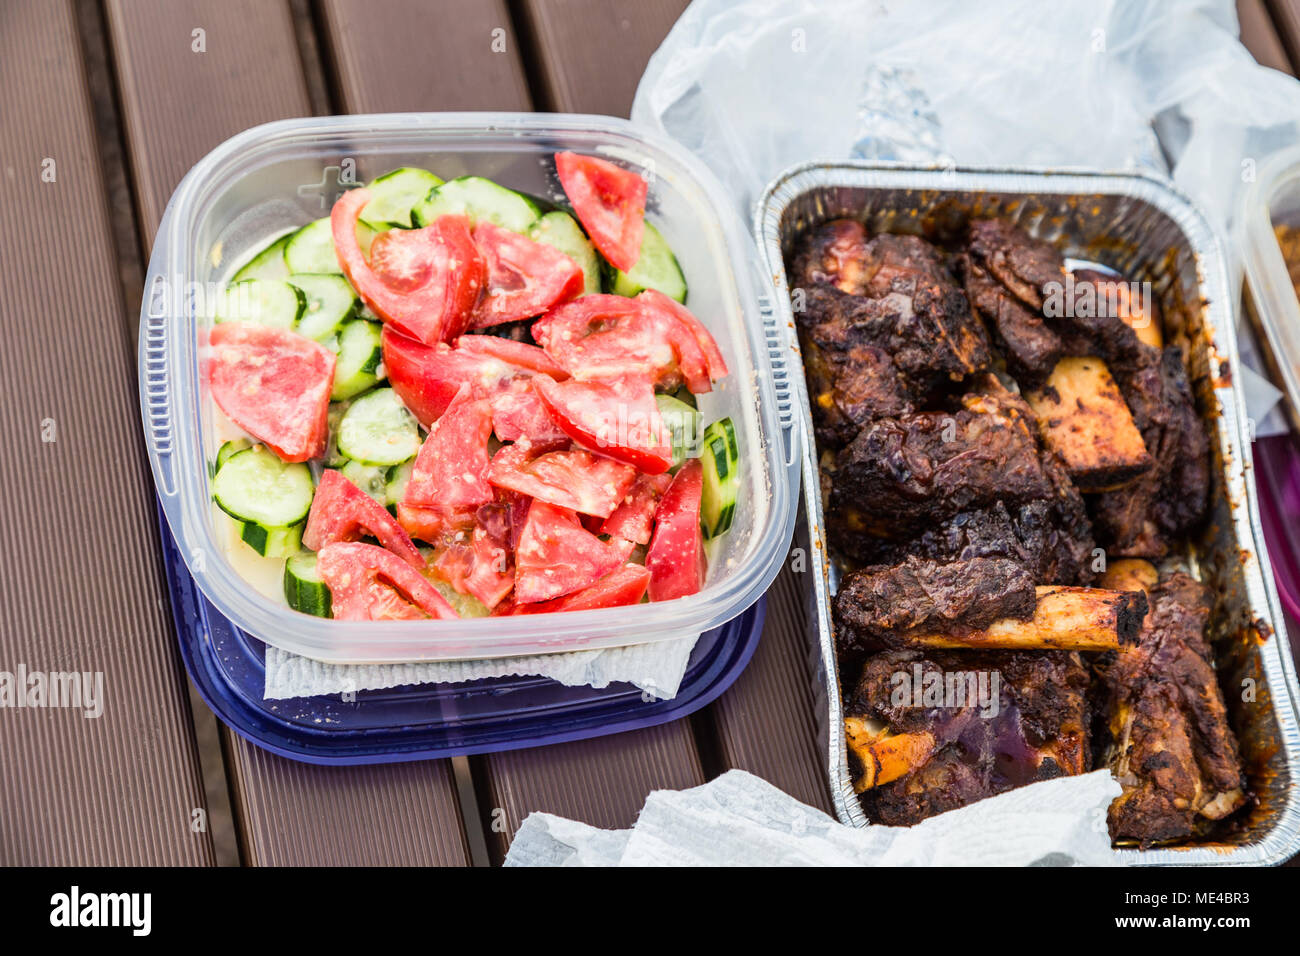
427, 721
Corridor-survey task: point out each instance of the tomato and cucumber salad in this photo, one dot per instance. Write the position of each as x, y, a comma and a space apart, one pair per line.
450, 399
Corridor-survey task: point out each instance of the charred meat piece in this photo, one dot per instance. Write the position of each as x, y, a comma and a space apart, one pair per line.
879, 606
992, 721
1028, 268
1036, 535
1173, 750
1032, 349
980, 604
1170, 500
910, 472
882, 323
1083, 418
1103, 305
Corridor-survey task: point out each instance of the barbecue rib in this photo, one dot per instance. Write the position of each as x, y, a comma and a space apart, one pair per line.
1031, 348
957, 726
883, 323
1173, 751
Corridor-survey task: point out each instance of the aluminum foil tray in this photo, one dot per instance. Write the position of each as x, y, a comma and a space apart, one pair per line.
1144, 228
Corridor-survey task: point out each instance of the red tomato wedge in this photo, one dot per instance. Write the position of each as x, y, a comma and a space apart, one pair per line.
340, 511
676, 558
520, 355
368, 583
557, 556
482, 567
633, 519
435, 525
275, 385
524, 278
574, 479
518, 413
708, 345
426, 282
603, 335
617, 417
622, 586
449, 469
610, 203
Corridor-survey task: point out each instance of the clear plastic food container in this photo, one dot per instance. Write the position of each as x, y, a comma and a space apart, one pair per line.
1271, 302
285, 174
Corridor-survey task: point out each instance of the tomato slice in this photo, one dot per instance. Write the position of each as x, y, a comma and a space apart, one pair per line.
633, 519
622, 586
574, 478
340, 511
610, 203
518, 414
616, 417
603, 335
426, 282
435, 525
449, 469
708, 345
482, 567
557, 556
524, 278
520, 355
369, 583
676, 557
275, 385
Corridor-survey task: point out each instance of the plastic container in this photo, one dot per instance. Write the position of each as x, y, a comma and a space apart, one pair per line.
285, 174
1277, 474
429, 721
1271, 302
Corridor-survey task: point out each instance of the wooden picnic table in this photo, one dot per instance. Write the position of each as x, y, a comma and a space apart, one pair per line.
117, 99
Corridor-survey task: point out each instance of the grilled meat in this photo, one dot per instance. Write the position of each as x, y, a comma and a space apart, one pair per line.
1169, 501
1028, 268
1174, 753
1032, 349
1025, 721
883, 323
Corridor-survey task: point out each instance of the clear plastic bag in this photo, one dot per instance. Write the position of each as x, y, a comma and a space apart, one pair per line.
754, 86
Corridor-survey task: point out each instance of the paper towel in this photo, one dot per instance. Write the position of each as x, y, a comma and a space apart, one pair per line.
656, 669
741, 820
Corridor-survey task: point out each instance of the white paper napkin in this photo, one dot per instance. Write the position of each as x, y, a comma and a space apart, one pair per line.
741, 820
656, 669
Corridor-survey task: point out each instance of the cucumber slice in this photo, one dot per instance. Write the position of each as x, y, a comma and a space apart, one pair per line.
478, 198
720, 459
378, 430
561, 231
683, 425
372, 479
311, 249
230, 449
256, 487
397, 479
395, 194
271, 542
266, 264
656, 268
270, 302
304, 588
361, 357
330, 302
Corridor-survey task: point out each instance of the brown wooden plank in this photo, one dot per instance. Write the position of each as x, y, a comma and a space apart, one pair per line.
1285, 15
451, 55
295, 814
766, 723
603, 781
81, 583
590, 54
177, 103
1260, 36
